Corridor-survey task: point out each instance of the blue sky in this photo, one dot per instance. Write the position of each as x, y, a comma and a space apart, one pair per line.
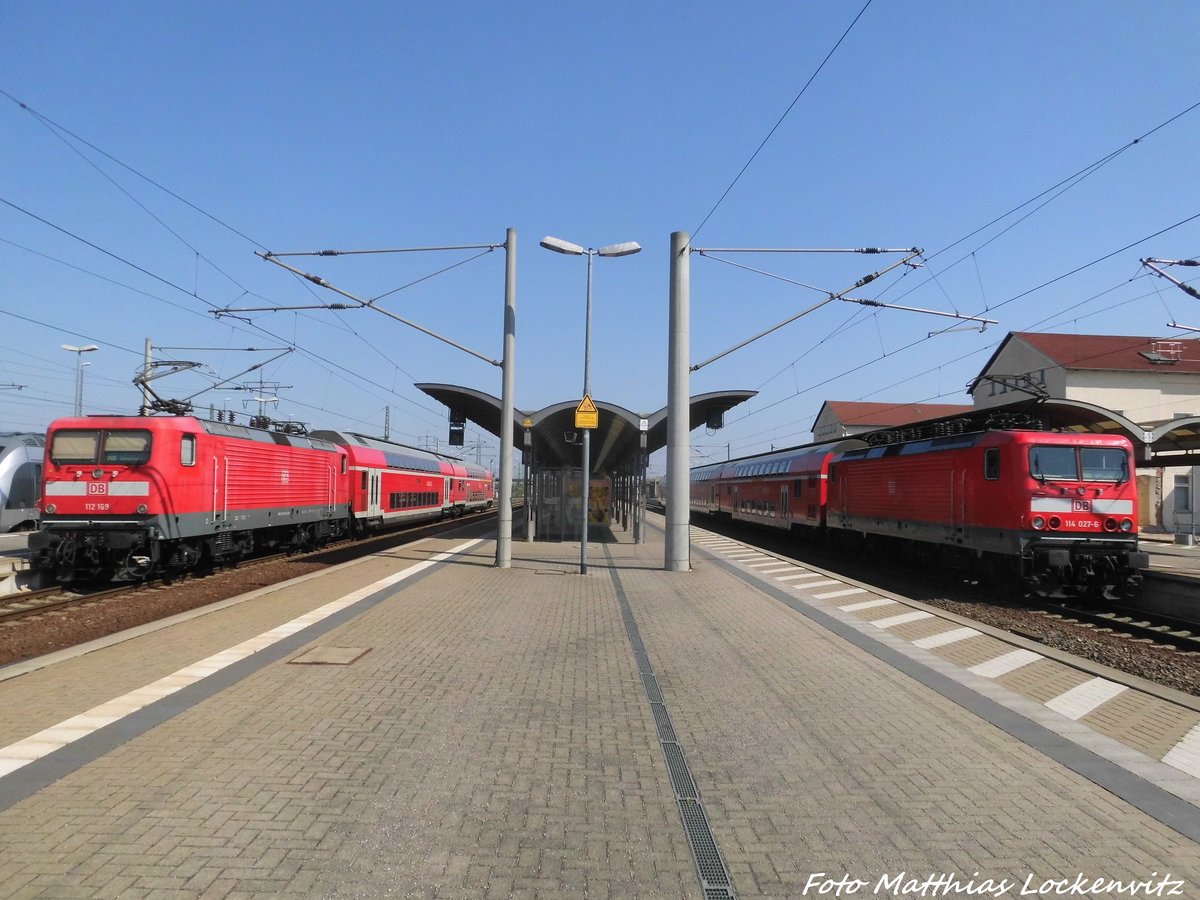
169, 142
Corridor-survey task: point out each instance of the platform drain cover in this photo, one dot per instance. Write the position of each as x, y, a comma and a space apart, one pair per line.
330, 656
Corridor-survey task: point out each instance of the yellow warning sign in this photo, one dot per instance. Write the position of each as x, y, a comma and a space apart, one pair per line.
586, 414
528, 423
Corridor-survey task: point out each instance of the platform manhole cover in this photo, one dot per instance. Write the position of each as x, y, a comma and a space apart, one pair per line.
330, 656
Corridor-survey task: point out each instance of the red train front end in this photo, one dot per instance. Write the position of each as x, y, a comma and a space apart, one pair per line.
1058, 510
124, 497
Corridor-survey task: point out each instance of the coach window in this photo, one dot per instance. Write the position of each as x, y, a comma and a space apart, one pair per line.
991, 463
187, 450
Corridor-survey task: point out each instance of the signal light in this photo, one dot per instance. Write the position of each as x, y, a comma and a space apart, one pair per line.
1127, 525
51, 508
1110, 524
142, 509
1039, 523
1055, 521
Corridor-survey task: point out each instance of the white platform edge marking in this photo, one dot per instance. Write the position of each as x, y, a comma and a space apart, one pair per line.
902, 619
1185, 755
25, 751
1082, 699
946, 637
829, 595
1005, 663
866, 604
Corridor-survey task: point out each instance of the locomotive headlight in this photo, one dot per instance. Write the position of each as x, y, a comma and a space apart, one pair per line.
142, 509
1110, 524
1039, 523
1081, 491
51, 508
98, 473
1055, 521
1127, 525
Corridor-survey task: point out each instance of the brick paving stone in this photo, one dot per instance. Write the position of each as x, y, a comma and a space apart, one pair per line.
497, 741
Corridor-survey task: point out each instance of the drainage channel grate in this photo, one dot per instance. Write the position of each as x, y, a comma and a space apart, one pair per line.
714, 877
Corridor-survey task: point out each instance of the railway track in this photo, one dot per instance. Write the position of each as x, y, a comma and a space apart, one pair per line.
1173, 634
38, 602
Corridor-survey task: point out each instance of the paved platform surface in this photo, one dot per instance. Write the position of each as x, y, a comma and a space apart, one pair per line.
532, 732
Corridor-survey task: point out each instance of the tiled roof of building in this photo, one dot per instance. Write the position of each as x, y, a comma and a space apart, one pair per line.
885, 415
1123, 353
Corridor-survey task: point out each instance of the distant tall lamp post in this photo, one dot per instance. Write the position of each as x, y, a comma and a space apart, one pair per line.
79, 364
560, 246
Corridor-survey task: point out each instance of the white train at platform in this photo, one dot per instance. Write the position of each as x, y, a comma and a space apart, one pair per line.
20, 480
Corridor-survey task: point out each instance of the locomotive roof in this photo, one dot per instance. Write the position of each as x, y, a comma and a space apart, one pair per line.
229, 429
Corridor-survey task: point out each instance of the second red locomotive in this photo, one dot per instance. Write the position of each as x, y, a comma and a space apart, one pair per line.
1058, 511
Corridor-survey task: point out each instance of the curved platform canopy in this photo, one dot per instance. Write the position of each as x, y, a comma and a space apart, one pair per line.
554, 439
1175, 442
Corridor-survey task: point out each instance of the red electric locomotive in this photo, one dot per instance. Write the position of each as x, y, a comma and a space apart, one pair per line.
125, 496
1058, 511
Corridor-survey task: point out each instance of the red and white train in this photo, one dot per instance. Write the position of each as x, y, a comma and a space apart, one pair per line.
1056, 510
125, 496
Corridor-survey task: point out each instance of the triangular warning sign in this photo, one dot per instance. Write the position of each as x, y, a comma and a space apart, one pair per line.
586, 405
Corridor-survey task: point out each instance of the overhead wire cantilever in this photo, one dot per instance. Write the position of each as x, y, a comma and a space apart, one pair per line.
910, 254
362, 304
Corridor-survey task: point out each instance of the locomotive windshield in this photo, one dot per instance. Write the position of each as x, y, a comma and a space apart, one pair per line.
123, 447
1079, 464
1104, 464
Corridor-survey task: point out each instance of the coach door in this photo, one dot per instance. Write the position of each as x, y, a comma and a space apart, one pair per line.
369, 493
785, 509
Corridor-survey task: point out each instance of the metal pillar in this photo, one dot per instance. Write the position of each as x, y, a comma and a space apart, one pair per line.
677, 556
586, 474
507, 400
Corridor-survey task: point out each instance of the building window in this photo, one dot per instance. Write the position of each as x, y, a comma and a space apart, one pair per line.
1183, 493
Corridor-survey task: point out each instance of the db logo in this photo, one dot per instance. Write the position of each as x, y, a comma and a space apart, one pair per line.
97, 487
1081, 506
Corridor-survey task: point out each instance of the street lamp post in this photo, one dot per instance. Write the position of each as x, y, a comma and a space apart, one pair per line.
79, 364
560, 246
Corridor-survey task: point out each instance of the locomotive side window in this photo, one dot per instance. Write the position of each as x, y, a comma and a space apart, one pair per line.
75, 447
126, 448
187, 450
991, 463
1104, 464
1053, 464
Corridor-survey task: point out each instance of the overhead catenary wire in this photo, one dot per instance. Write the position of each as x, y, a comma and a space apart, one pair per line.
775, 127
257, 328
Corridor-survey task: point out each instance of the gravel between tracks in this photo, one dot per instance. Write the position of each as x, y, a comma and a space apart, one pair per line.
59, 629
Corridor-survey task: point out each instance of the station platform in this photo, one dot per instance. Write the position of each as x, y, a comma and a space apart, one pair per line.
421, 724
